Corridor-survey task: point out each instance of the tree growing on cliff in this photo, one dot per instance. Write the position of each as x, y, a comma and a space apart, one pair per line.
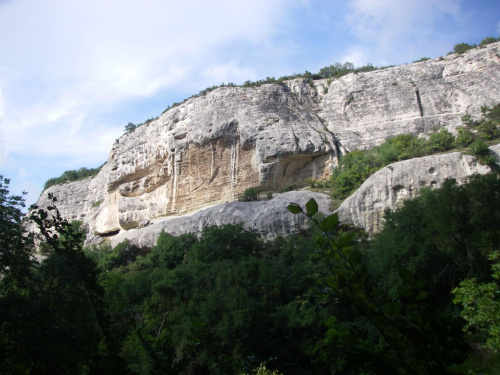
130, 128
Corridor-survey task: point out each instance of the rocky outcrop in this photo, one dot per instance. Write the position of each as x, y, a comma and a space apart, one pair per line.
269, 218
208, 150
388, 187
366, 108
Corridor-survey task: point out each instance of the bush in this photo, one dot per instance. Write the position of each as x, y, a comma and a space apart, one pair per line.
481, 151
464, 137
441, 140
488, 40
289, 187
463, 47
250, 195
72, 175
355, 167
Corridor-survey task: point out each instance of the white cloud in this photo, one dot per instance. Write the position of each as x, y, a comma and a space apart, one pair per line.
395, 29
225, 72
68, 62
358, 55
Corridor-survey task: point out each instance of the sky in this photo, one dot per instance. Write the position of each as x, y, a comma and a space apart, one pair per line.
74, 73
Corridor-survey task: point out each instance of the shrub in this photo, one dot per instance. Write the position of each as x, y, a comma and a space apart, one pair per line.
355, 167
464, 137
441, 140
250, 195
481, 151
463, 47
488, 40
72, 175
311, 182
488, 130
288, 188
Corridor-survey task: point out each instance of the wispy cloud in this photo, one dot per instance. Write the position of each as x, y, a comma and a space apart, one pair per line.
84, 58
73, 73
396, 29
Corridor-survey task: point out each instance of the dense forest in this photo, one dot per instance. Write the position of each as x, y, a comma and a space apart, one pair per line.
421, 297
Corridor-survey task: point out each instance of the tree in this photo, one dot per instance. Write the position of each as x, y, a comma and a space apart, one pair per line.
15, 245
130, 128
396, 325
481, 305
55, 323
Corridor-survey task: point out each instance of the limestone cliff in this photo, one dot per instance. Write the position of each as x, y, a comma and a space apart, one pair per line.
208, 150
388, 187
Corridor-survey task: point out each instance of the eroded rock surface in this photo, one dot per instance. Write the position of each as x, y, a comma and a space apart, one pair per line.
388, 187
208, 150
269, 218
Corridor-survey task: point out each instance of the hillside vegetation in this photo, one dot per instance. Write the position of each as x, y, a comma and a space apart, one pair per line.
355, 167
324, 301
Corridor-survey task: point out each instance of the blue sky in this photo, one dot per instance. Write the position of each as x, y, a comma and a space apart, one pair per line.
74, 73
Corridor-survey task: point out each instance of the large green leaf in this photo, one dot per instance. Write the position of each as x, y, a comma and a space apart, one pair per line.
330, 222
311, 207
294, 208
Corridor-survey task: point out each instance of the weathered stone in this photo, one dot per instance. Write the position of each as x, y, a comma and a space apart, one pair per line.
388, 187
210, 149
268, 218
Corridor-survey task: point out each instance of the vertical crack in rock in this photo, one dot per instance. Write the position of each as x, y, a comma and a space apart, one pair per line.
419, 102
276, 169
175, 181
234, 164
296, 141
213, 161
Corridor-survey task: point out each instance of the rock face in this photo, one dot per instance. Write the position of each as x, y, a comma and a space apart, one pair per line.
208, 150
268, 218
388, 187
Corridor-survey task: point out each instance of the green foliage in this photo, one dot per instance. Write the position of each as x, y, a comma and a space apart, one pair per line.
371, 331
97, 203
54, 321
464, 137
390, 302
422, 59
108, 258
481, 306
72, 175
463, 47
130, 128
441, 140
480, 149
15, 246
262, 370
338, 70
289, 187
449, 229
489, 40
355, 167
250, 195
221, 304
